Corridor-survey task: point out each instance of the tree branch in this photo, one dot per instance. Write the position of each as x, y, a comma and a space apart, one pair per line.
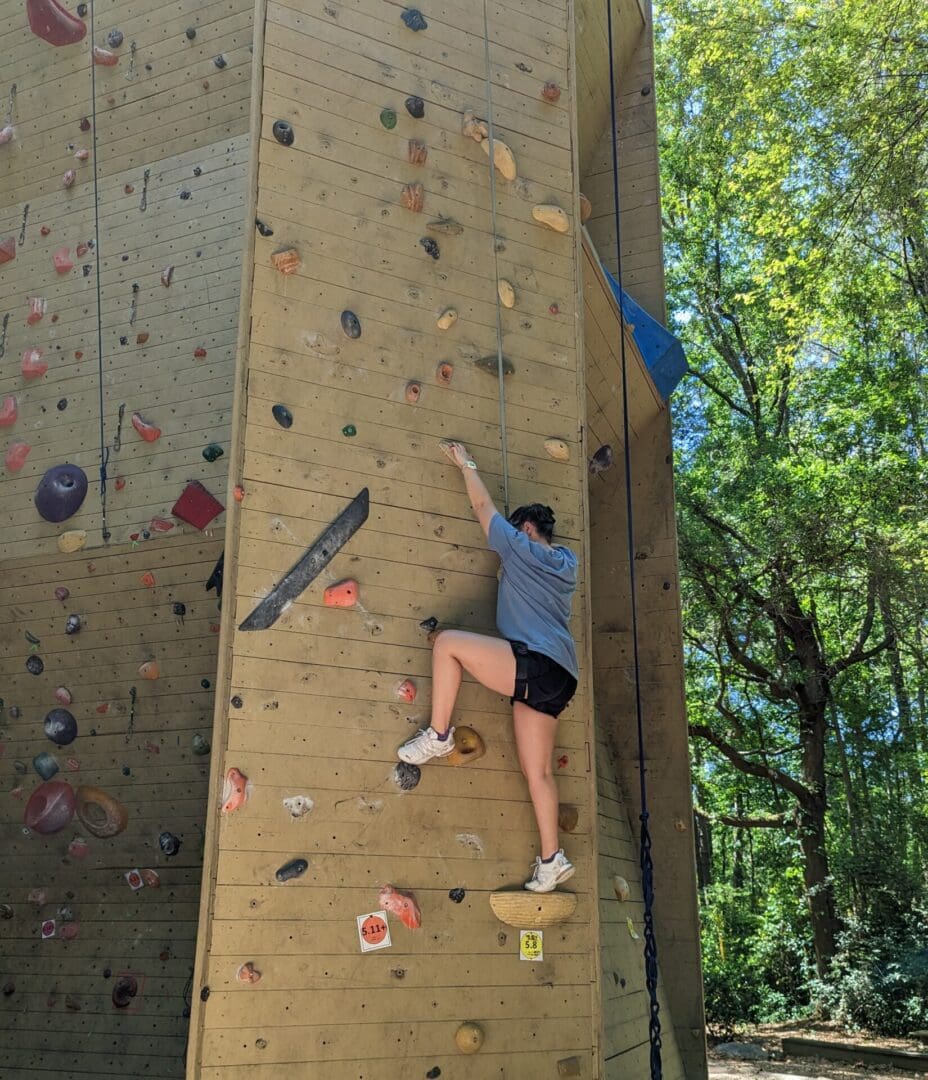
773, 821
752, 768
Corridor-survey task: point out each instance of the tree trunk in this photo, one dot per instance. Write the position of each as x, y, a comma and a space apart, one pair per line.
819, 891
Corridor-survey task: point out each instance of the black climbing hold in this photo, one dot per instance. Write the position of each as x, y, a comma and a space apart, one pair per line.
220, 61
200, 745
212, 452
35, 665
414, 19
31, 638
205, 683
169, 843
283, 132
349, 431
292, 869
9, 988
429, 625
107, 973
61, 727
45, 765
601, 460
62, 404
415, 106
73, 625
431, 246
191, 32
264, 230
85, 122
351, 324
204, 993
197, 171
388, 118
82, 10
433, 1074
124, 990
457, 895
185, 194
6, 911
114, 39
61, 492
215, 579
282, 415
237, 702
126, 771
123, 341
179, 609
406, 776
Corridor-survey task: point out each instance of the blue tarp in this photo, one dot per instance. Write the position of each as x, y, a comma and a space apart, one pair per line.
660, 350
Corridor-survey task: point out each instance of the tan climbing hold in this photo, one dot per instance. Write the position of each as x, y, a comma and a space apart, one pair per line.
286, 261
469, 1037
468, 746
551, 216
473, 127
569, 1066
557, 449
445, 226
506, 293
447, 319
503, 158
586, 208
71, 541
413, 197
532, 911
620, 885
417, 152
567, 817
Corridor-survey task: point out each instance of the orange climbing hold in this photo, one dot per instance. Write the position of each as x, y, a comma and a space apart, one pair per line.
54, 23
150, 670
148, 579
104, 58
235, 791
444, 373
9, 410
342, 594
149, 431
238, 493
248, 973
160, 524
406, 691
62, 259
402, 905
16, 455
38, 305
287, 261
7, 250
33, 366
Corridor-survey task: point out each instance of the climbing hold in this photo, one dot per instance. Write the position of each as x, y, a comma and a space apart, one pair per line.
415, 106
503, 158
349, 431
7, 250
444, 373
148, 579
78, 848
248, 973
431, 247
169, 843
406, 776
15, 456
601, 460
238, 493
9, 410
413, 197
38, 305
124, 991
287, 261
414, 19
282, 415
351, 324
6, 912
569, 1066
292, 869
416, 152
468, 746
33, 366
429, 625
62, 592
212, 452
201, 745
6, 134
62, 260
141, 339
507, 294
45, 765
196, 506
101, 815
474, 128
264, 230
63, 695
61, 492
557, 449
67, 180
551, 92
388, 118
433, 1073
82, 155
221, 62
447, 319
61, 727
151, 878
73, 625
50, 807
149, 432
456, 896
413, 392
283, 132
490, 364
586, 208
35, 665
235, 791
104, 58
236, 702
167, 276
114, 39
567, 817
190, 33
299, 805
551, 216
445, 226
405, 691
54, 23
620, 885
342, 594
532, 911
469, 1037
71, 541
401, 904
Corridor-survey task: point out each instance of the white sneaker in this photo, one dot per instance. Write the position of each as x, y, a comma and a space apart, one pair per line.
547, 876
424, 746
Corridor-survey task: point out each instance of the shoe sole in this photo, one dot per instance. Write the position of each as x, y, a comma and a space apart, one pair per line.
422, 761
564, 875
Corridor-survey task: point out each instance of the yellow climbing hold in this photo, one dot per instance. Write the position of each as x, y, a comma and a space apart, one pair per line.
447, 319
474, 128
557, 449
507, 294
468, 746
469, 1037
503, 158
532, 911
551, 216
74, 540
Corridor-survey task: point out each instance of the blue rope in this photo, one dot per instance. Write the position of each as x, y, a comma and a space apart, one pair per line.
647, 866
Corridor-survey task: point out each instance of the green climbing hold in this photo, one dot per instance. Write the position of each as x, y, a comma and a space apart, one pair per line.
213, 451
349, 430
388, 118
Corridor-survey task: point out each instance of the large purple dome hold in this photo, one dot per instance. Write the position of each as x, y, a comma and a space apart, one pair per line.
61, 727
61, 492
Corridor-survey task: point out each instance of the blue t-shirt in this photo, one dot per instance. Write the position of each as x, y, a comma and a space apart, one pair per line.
535, 590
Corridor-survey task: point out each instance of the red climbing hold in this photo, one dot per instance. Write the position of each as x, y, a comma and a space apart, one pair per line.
148, 579
406, 691
235, 791
342, 594
160, 524
8, 411
16, 455
34, 367
120, 483
81, 250
104, 58
38, 305
63, 263
149, 431
199, 353
402, 905
54, 23
7, 250
196, 506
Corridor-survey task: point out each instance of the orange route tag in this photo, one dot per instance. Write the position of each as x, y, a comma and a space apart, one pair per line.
374, 931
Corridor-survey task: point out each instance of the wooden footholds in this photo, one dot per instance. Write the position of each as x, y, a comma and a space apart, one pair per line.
71, 541
416, 152
503, 158
506, 293
469, 1037
569, 1066
526, 910
101, 815
446, 320
552, 217
413, 197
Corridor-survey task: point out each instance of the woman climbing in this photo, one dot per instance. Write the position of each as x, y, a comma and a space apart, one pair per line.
534, 664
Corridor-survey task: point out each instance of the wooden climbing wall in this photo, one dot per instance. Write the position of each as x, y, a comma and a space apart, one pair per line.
158, 144
309, 706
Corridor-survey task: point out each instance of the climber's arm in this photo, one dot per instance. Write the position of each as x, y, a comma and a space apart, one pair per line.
480, 499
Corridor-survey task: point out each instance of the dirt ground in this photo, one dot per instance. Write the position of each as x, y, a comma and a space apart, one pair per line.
801, 1068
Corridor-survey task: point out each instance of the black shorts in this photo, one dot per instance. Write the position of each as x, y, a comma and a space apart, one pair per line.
541, 683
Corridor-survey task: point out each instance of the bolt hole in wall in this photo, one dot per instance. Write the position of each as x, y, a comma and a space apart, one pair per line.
123, 162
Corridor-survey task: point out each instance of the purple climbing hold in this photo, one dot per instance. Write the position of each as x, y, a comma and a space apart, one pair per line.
61, 492
61, 727
62, 593
50, 807
35, 665
292, 869
414, 19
